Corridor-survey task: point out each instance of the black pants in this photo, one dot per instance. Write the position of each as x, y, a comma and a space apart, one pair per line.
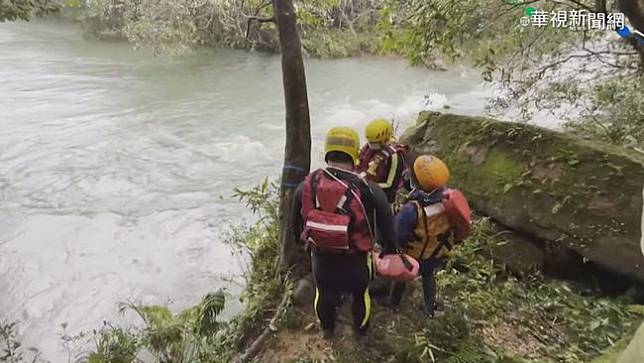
428, 270
337, 274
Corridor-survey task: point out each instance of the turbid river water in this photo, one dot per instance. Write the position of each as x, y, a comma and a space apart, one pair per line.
116, 167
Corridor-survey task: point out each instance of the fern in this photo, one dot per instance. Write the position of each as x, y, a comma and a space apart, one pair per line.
210, 308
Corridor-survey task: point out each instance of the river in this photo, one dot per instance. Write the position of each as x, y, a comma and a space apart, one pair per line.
117, 167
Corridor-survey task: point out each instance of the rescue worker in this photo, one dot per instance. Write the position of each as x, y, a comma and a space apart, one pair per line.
337, 214
429, 225
381, 160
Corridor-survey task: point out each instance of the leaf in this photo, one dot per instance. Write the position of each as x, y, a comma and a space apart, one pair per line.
506, 188
636, 309
211, 306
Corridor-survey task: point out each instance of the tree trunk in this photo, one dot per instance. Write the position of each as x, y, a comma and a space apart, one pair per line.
297, 153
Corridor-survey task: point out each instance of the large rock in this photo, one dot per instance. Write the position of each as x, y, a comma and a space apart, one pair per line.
634, 352
553, 186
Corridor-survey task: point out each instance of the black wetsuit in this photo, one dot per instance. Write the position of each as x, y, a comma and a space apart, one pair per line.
337, 274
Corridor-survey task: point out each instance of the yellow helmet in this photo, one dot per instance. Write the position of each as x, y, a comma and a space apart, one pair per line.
379, 131
343, 139
430, 172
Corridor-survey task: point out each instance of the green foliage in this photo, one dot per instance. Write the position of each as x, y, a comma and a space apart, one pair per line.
11, 349
579, 76
616, 114
209, 309
23, 10
333, 43
114, 345
265, 284
262, 200
329, 28
189, 336
166, 26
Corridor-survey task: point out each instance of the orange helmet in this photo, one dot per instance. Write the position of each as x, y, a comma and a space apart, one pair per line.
430, 172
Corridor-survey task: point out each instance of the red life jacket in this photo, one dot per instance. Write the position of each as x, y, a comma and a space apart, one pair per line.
335, 219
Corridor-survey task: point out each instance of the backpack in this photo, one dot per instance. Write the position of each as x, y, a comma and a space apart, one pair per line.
458, 213
335, 219
440, 226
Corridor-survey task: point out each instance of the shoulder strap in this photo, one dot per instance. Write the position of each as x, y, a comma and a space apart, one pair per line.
351, 187
442, 239
423, 215
348, 197
315, 180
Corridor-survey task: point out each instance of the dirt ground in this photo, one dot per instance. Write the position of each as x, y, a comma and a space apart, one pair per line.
300, 340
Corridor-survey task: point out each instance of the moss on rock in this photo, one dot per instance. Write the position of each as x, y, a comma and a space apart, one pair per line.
582, 194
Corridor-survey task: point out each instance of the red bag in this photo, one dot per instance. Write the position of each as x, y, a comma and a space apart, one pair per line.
458, 212
327, 230
334, 217
396, 266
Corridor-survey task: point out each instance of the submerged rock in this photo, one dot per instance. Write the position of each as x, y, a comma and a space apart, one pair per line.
580, 194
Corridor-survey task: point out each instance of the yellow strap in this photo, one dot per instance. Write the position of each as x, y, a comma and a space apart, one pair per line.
367, 296
315, 303
392, 173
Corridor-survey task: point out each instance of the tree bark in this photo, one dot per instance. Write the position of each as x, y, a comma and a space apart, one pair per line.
297, 153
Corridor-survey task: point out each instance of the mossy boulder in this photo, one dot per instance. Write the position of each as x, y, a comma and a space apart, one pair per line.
584, 195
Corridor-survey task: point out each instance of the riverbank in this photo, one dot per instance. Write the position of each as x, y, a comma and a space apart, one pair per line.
182, 27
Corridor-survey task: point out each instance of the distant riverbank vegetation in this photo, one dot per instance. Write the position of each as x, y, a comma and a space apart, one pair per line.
591, 80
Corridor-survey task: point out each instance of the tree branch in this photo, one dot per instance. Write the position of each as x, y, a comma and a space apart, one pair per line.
257, 345
259, 20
